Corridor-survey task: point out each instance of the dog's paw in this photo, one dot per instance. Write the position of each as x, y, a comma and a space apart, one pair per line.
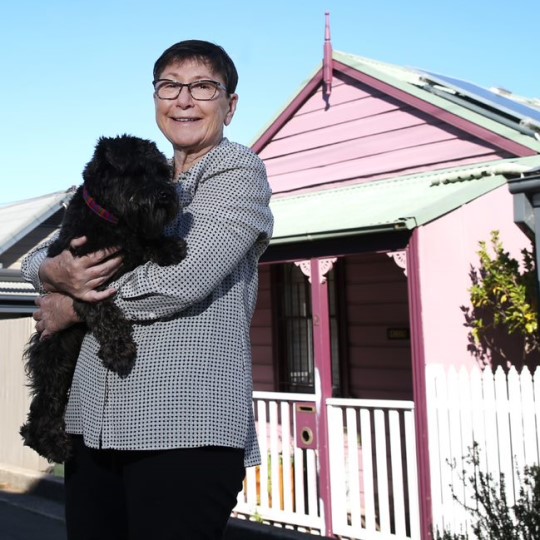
27, 434
50, 442
119, 357
171, 251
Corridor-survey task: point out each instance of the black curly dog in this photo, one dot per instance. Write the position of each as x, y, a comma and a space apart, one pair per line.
125, 201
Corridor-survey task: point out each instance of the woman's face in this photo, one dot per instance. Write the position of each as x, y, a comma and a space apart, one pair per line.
193, 127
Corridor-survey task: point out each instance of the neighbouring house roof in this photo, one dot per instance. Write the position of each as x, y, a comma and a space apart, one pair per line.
16, 296
18, 219
389, 205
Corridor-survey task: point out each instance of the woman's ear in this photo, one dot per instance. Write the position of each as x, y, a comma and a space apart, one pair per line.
233, 100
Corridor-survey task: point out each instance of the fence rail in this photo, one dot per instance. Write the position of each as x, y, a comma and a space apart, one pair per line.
284, 488
373, 469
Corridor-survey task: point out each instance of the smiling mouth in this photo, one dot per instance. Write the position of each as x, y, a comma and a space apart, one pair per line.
185, 120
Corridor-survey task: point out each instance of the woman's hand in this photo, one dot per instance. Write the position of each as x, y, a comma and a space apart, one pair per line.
55, 312
79, 277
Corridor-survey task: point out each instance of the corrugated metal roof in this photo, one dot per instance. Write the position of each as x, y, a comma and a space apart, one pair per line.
15, 293
17, 288
18, 219
401, 203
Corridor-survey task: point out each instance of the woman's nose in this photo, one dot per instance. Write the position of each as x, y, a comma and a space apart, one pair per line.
184, 98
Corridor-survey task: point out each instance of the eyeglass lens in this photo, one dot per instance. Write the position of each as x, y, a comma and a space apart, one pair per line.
201, 90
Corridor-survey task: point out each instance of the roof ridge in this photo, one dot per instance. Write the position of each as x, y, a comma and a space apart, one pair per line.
402, 73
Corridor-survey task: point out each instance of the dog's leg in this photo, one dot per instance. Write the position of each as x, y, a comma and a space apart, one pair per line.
50, 365
165, 251
113, 332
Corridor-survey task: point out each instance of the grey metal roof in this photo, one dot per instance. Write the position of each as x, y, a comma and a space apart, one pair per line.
16, 296
20, 288
18, 219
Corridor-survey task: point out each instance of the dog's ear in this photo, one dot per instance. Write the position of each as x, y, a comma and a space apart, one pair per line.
126, 155
119, 152
123, 153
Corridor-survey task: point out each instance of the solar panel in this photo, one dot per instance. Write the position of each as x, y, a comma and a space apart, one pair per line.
487, 97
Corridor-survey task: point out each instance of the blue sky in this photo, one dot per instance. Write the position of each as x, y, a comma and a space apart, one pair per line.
74, 70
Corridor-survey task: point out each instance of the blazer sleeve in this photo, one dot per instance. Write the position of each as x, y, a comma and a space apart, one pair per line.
228, 218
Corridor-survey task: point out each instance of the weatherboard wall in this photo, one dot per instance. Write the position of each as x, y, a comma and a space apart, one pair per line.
364, 135
448, 247
377, 366
261, 335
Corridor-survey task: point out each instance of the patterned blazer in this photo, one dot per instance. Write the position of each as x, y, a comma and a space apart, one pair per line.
191, 384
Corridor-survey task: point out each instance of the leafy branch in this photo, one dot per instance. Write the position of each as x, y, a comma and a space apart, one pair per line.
504, 301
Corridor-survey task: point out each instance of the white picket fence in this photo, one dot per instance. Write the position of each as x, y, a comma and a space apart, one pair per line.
499, 412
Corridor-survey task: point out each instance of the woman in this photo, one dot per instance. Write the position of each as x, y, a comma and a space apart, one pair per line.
160, 454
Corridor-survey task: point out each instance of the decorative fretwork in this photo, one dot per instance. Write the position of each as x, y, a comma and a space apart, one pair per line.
325, 265
400, 258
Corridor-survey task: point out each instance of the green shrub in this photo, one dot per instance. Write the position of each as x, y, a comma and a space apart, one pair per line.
503, 303
492, 518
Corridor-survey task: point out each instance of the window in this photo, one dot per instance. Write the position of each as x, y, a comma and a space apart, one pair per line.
295, 329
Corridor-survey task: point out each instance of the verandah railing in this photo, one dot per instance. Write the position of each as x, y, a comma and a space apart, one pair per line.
284, 489
372, 469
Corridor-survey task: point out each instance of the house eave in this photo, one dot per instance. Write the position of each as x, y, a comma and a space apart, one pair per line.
400, 225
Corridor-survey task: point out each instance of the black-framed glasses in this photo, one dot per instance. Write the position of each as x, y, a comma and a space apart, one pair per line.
199, 90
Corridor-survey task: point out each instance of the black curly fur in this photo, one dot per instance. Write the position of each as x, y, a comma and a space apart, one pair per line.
130, 177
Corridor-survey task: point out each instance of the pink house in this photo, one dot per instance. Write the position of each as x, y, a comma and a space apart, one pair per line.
385, 179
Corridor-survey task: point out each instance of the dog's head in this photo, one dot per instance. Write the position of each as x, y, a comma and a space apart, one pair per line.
131, 179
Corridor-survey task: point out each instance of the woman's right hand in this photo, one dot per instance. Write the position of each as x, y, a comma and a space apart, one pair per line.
79, 277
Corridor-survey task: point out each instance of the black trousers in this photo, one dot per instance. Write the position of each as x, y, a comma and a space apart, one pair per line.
151, 495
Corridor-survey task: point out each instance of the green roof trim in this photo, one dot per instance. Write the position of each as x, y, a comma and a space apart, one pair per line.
389, 205
408, 80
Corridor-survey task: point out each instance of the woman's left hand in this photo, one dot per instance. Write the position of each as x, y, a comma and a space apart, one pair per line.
55, 313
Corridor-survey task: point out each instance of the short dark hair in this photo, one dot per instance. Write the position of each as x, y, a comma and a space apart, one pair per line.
208, 53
